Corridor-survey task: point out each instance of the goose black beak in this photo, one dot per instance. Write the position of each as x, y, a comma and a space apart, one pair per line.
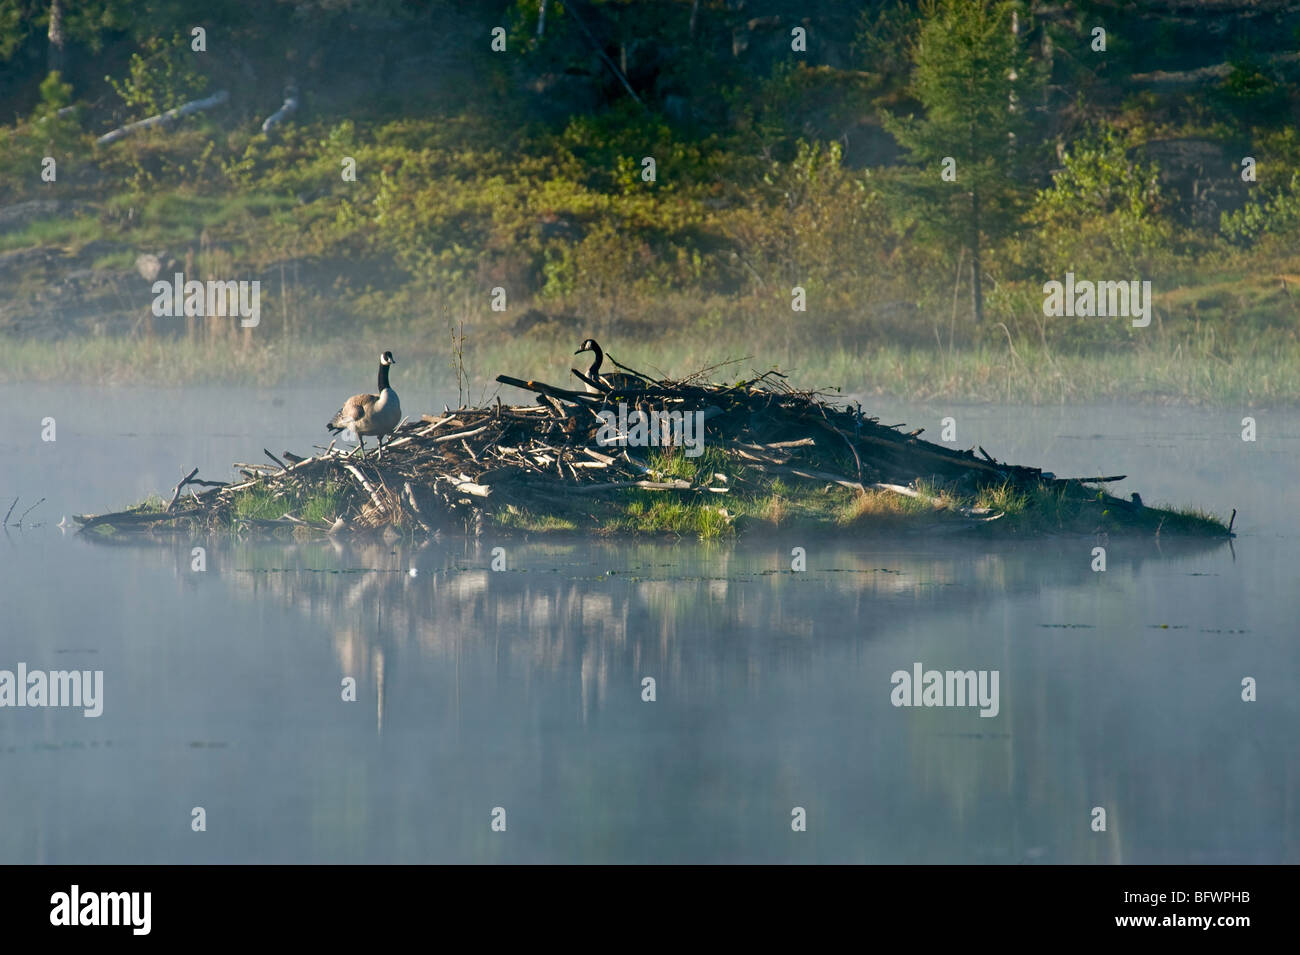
580, 351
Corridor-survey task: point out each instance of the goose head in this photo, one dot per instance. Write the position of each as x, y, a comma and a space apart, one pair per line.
387, 359
588, 345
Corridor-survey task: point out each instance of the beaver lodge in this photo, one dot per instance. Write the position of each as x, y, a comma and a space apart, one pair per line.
770, 456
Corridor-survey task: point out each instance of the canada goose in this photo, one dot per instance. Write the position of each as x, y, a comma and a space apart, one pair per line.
613, 382
371, 414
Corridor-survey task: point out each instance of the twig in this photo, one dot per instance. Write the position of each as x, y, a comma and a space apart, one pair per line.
177, 492
29, 510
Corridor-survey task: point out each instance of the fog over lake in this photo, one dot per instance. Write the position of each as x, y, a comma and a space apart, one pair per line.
522, 689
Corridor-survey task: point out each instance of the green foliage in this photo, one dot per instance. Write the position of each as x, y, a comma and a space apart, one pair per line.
973, 79
670, 463
1104, 209
1005, 498
970, 71
258, 503
658, 513
764, 181
1273, 212
1250, 92
322, 504
84, 21
55, 94
818, 225
319, 503
163, 77
886, 37
24, 146
14, 16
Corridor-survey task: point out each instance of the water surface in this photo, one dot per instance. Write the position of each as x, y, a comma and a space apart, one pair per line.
522, 689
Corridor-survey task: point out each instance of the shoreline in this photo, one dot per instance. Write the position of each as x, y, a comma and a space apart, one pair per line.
1159, 375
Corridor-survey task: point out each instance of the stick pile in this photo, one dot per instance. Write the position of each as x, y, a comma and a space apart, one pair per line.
447, 472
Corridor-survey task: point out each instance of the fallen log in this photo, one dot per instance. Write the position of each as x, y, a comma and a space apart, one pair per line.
194, 106
88, 521
287, 109
677, 485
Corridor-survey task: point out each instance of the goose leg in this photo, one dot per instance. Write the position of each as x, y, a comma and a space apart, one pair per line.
362, 441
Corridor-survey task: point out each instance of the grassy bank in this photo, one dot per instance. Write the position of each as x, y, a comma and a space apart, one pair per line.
778, 505
1021, 374
756, 505
717, 195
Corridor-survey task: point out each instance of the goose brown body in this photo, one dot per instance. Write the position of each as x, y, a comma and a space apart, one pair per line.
367, 414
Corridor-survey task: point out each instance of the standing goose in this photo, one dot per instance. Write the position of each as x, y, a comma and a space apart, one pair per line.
612, 382
371, 414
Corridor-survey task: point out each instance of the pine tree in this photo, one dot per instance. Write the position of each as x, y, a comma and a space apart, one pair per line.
972, 78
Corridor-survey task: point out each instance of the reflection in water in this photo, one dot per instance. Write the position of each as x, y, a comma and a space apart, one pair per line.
569, 609
523, 688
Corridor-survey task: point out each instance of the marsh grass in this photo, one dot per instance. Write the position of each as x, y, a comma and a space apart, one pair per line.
316, 503
1186, 520
521, 519
880, 508
257, 503
654, 513
322, 504
757, 502
769, 504
1155, 373
668, 463
1006, 498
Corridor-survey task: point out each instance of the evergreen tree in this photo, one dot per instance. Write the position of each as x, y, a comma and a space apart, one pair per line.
972, 78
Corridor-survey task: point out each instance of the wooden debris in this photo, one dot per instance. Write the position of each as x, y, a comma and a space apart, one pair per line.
177, 492
441, 472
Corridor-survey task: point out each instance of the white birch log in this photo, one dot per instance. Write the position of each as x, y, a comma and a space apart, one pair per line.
194, 106
287, 109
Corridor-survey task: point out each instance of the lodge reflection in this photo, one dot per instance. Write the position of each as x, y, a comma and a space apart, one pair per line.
773, 691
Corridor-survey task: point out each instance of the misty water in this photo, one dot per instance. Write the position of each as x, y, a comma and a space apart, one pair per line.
522, 689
